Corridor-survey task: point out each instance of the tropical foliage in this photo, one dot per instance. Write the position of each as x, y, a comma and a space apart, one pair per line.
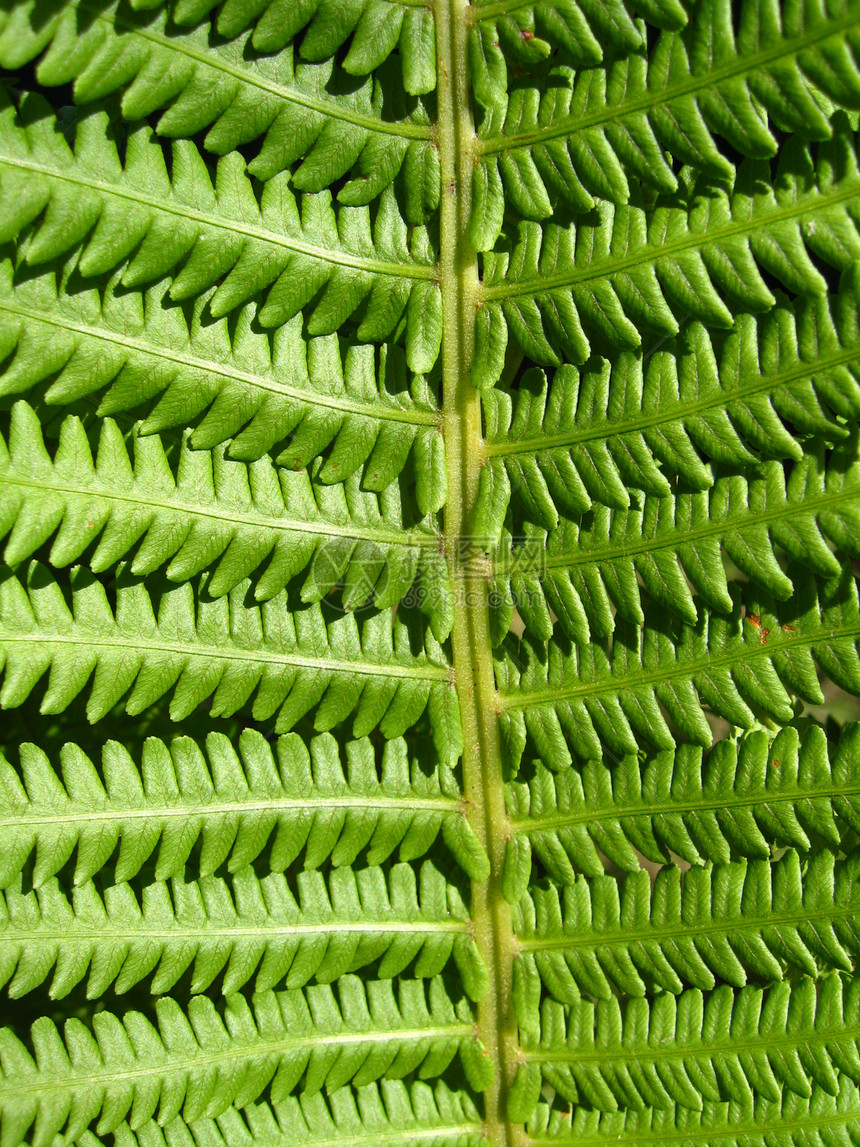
430, 508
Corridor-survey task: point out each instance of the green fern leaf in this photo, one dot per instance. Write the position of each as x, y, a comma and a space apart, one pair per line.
293, 398
797, 1117
587, 697
429, 614
593, 941
232, 89
320, 934
638, 423
204, 514
584, 134
744, 518
219, 230
199, 648
751, 1043
362, 1116
200, 1063
297, 801
696, 255
738, 801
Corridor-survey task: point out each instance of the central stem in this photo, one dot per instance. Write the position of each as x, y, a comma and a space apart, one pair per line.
472, 649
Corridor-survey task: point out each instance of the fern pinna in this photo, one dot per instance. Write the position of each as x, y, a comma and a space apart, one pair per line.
429, 500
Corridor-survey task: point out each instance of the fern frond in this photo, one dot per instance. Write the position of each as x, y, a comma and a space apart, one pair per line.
498, 437
730, 923
524, 35
732, 400
196, 507
293, 662
817, 1121
295, 250
623, 272
200, 1064
293, 396
574, 137
388, 1112
670, 544
315, 112
245, 929
289, 800
689, 1049
373, 28
745, 800
582, 698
